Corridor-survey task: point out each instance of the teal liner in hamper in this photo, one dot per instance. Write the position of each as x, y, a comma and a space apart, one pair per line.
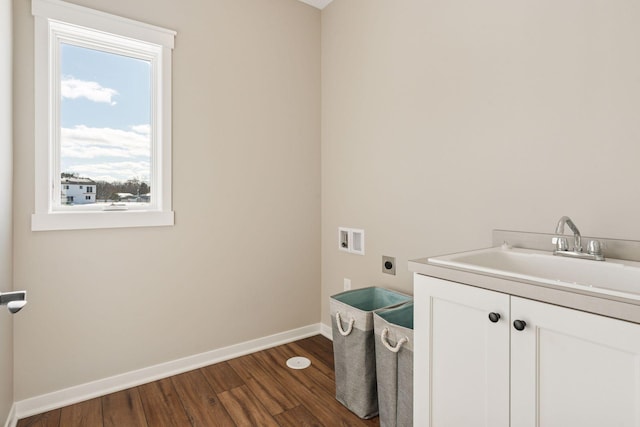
354, 348
393, 330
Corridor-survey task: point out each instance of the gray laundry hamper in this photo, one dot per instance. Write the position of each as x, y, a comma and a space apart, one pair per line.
354, 348
393, 329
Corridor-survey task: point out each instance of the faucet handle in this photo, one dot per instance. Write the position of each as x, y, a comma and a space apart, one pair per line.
561, 243
594, 247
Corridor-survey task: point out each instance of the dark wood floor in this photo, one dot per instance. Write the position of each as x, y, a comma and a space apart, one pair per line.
253, 390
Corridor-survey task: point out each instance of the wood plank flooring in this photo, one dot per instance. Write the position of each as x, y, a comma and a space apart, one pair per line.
253, 390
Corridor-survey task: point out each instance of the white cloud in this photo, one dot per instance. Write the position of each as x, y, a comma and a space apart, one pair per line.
113, 171
72, 88
142, 129
89, 143
106, 154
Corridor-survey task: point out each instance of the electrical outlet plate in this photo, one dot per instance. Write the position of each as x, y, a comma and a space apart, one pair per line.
389, 265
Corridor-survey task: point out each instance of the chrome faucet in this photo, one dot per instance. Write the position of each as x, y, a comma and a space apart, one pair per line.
594, 249
577, 239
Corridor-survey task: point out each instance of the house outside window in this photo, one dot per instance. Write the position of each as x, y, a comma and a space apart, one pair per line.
73, 191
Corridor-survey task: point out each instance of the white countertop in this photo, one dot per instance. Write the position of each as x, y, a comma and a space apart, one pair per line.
618, 308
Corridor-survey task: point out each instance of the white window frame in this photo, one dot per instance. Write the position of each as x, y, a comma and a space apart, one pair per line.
60, 22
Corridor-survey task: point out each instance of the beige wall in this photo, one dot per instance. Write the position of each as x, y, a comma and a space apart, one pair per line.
242, 261
443, 120
6, 177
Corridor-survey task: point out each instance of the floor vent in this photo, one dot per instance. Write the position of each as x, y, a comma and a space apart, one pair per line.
298, 363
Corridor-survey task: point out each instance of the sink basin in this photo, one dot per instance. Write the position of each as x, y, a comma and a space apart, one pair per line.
618, 278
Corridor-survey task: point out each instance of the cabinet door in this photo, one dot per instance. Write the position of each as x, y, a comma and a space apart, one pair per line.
571, 368
461, 358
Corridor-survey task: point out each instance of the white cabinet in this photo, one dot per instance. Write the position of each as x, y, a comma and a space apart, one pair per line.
461, 359
571, 368
566, 368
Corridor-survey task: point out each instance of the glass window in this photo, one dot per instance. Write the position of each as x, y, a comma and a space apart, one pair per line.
105, 119
108, 121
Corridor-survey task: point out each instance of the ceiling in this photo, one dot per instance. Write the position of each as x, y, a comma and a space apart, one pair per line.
320, 4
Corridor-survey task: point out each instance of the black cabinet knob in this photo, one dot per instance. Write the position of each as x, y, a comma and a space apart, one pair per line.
519, 325
494, 317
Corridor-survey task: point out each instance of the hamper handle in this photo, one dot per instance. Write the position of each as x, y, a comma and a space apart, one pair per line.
385, 341
339, 325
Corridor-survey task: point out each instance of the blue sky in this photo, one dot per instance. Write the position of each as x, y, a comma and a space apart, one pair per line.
105, 114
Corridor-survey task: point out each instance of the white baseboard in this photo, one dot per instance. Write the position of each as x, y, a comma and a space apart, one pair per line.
82, 392
326, 331
12, 420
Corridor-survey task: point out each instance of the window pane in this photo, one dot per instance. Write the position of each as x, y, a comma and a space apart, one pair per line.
105, 127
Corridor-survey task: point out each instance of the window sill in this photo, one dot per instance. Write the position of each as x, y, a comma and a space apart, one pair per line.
102, 219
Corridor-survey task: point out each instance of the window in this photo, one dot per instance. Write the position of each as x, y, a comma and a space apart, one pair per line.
103, 117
